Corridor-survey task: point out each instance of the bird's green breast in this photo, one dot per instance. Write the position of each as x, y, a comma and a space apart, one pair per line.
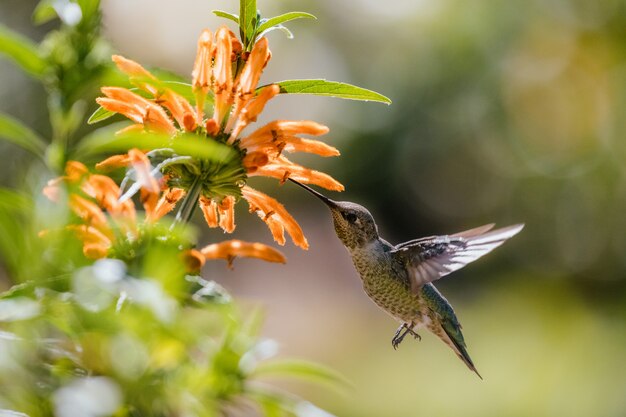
386, 282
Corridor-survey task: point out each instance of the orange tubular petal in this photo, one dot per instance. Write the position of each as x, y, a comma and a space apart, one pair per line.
95, 251
89, 212
104, 190
180, 108
251, 72
297, 144
252, 109
226, 210
254, 160
95, 244
201, 74
136, 108
275, 215
209, 209
142, 166
157, 119
122, 108
222, 74
149, 201
193, 260
166, 204
75, 171
279, 128
231, 249
113, 162
139, 75
256, 106
281, 168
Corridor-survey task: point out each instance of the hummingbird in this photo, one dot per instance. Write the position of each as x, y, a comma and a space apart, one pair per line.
399, 278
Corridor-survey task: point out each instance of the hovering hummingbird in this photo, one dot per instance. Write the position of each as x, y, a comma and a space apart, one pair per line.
399, 278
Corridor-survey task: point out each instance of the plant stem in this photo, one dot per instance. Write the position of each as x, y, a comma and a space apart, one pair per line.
189, 202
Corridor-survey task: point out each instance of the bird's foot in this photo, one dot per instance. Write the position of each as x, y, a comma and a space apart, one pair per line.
401, 333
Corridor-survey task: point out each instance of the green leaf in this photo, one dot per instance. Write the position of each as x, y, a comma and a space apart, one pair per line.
226, 15
12, 200
99, 115
322, 87
301, 369
44, 12
14, 131
277, 20
22, 51
248, 22
282, 28
104, 140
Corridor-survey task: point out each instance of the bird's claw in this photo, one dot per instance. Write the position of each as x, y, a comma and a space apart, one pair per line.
399, 336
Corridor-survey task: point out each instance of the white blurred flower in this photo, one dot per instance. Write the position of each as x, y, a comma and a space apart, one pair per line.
87, 397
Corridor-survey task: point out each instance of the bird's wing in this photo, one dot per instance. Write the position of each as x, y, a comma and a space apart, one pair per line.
431, 258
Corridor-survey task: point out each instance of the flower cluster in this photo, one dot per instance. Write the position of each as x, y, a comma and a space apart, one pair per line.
109, 226
227, 99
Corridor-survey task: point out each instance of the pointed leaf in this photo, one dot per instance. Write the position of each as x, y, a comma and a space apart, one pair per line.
14, 131
226, 15
301, 369
322, 87
282, 28
277, 20
44, 12
247, 22
99, 115
105, 140
22, 51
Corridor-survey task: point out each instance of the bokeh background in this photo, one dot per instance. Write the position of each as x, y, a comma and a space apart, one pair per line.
503, 111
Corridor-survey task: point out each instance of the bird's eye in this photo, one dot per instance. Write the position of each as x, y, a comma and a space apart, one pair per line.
351, 217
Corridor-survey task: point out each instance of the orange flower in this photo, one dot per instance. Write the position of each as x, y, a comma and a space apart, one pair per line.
231, 249
230, 78
108, 223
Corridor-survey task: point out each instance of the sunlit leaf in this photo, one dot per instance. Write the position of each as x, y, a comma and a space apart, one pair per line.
226, 15
247, 21
301, 369
14, 200
282, 28
277, 20
99, 115
44, 12
22, 51
105, 140
14, 131
320, 87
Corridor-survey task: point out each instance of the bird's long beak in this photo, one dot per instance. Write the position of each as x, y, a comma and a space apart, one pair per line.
330, 203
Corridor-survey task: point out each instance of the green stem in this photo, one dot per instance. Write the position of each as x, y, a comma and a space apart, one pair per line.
189, 203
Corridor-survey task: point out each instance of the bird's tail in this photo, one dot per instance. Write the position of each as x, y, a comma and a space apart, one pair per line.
457, 343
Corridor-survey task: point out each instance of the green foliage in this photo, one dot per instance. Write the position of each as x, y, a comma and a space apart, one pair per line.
276, 22
321, 87
135, 333
252, 26
248, 22
22, 51
14, 131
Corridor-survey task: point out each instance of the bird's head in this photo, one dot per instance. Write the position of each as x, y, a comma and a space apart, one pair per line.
354, 224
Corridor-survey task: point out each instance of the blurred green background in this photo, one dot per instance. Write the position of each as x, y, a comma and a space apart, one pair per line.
503, 111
